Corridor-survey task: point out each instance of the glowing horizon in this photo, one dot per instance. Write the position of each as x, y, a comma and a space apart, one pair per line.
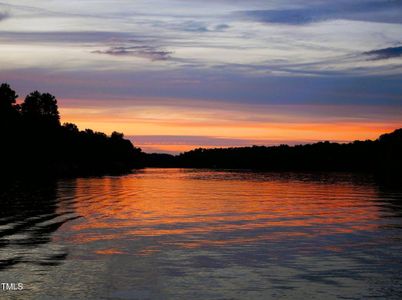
174, 74
174, 128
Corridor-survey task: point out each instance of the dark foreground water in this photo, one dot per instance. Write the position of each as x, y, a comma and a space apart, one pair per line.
194, 234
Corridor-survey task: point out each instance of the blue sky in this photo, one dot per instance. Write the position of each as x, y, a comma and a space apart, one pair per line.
273, 62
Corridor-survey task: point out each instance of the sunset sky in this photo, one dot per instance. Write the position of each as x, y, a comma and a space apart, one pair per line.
178, 74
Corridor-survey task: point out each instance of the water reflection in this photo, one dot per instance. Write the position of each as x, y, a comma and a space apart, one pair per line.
198, 234
29, 215
211, 208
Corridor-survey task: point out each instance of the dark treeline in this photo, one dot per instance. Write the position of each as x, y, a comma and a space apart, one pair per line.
382, 156
33, 140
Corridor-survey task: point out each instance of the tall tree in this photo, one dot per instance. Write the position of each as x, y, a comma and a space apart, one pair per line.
42, 108
8, 107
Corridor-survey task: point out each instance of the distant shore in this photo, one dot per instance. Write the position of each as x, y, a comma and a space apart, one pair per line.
35, 142
381, 156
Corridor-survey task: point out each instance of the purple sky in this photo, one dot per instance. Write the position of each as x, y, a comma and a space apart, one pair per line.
181, 74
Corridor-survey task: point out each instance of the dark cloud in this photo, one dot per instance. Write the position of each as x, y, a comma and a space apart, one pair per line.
291, 16
194, 26
221, 85
382, 11
384, 53
64, 36
148, 52
221, 27
4, 15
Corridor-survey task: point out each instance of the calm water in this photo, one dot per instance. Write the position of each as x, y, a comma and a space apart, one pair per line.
194, 234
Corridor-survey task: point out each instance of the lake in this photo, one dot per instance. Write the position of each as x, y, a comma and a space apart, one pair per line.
202, 234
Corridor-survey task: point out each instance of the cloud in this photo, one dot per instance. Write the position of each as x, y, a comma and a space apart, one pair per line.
193, 140
197, 33
193, 26
378, 11
221, 27
4, 15
209, 141
148, 52
64, 36
385, 53
175, 144
291, 16
217, 86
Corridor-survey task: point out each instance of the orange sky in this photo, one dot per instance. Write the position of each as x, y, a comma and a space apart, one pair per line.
210, 73
176, 128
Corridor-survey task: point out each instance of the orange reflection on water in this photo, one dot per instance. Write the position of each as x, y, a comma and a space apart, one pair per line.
109, 252
188, 208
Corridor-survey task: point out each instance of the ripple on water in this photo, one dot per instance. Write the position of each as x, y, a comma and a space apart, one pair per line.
172, 234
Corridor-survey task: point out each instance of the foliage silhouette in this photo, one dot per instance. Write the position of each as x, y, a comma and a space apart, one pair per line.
34, 141
382, 157
8, 107
8, 97
41, 109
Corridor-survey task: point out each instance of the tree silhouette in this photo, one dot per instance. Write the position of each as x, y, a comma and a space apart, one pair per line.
8, 108
41, 108
117, 135
71, 128
381, 157
8, 97
34, 141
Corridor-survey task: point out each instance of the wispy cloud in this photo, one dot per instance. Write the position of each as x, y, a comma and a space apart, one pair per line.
221, 27
78, 37
202, 35
188, 126
229, 50
175, 144
361, 10
194, 140
385, 53
4, 15
200, 27
193, 26
148, 52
